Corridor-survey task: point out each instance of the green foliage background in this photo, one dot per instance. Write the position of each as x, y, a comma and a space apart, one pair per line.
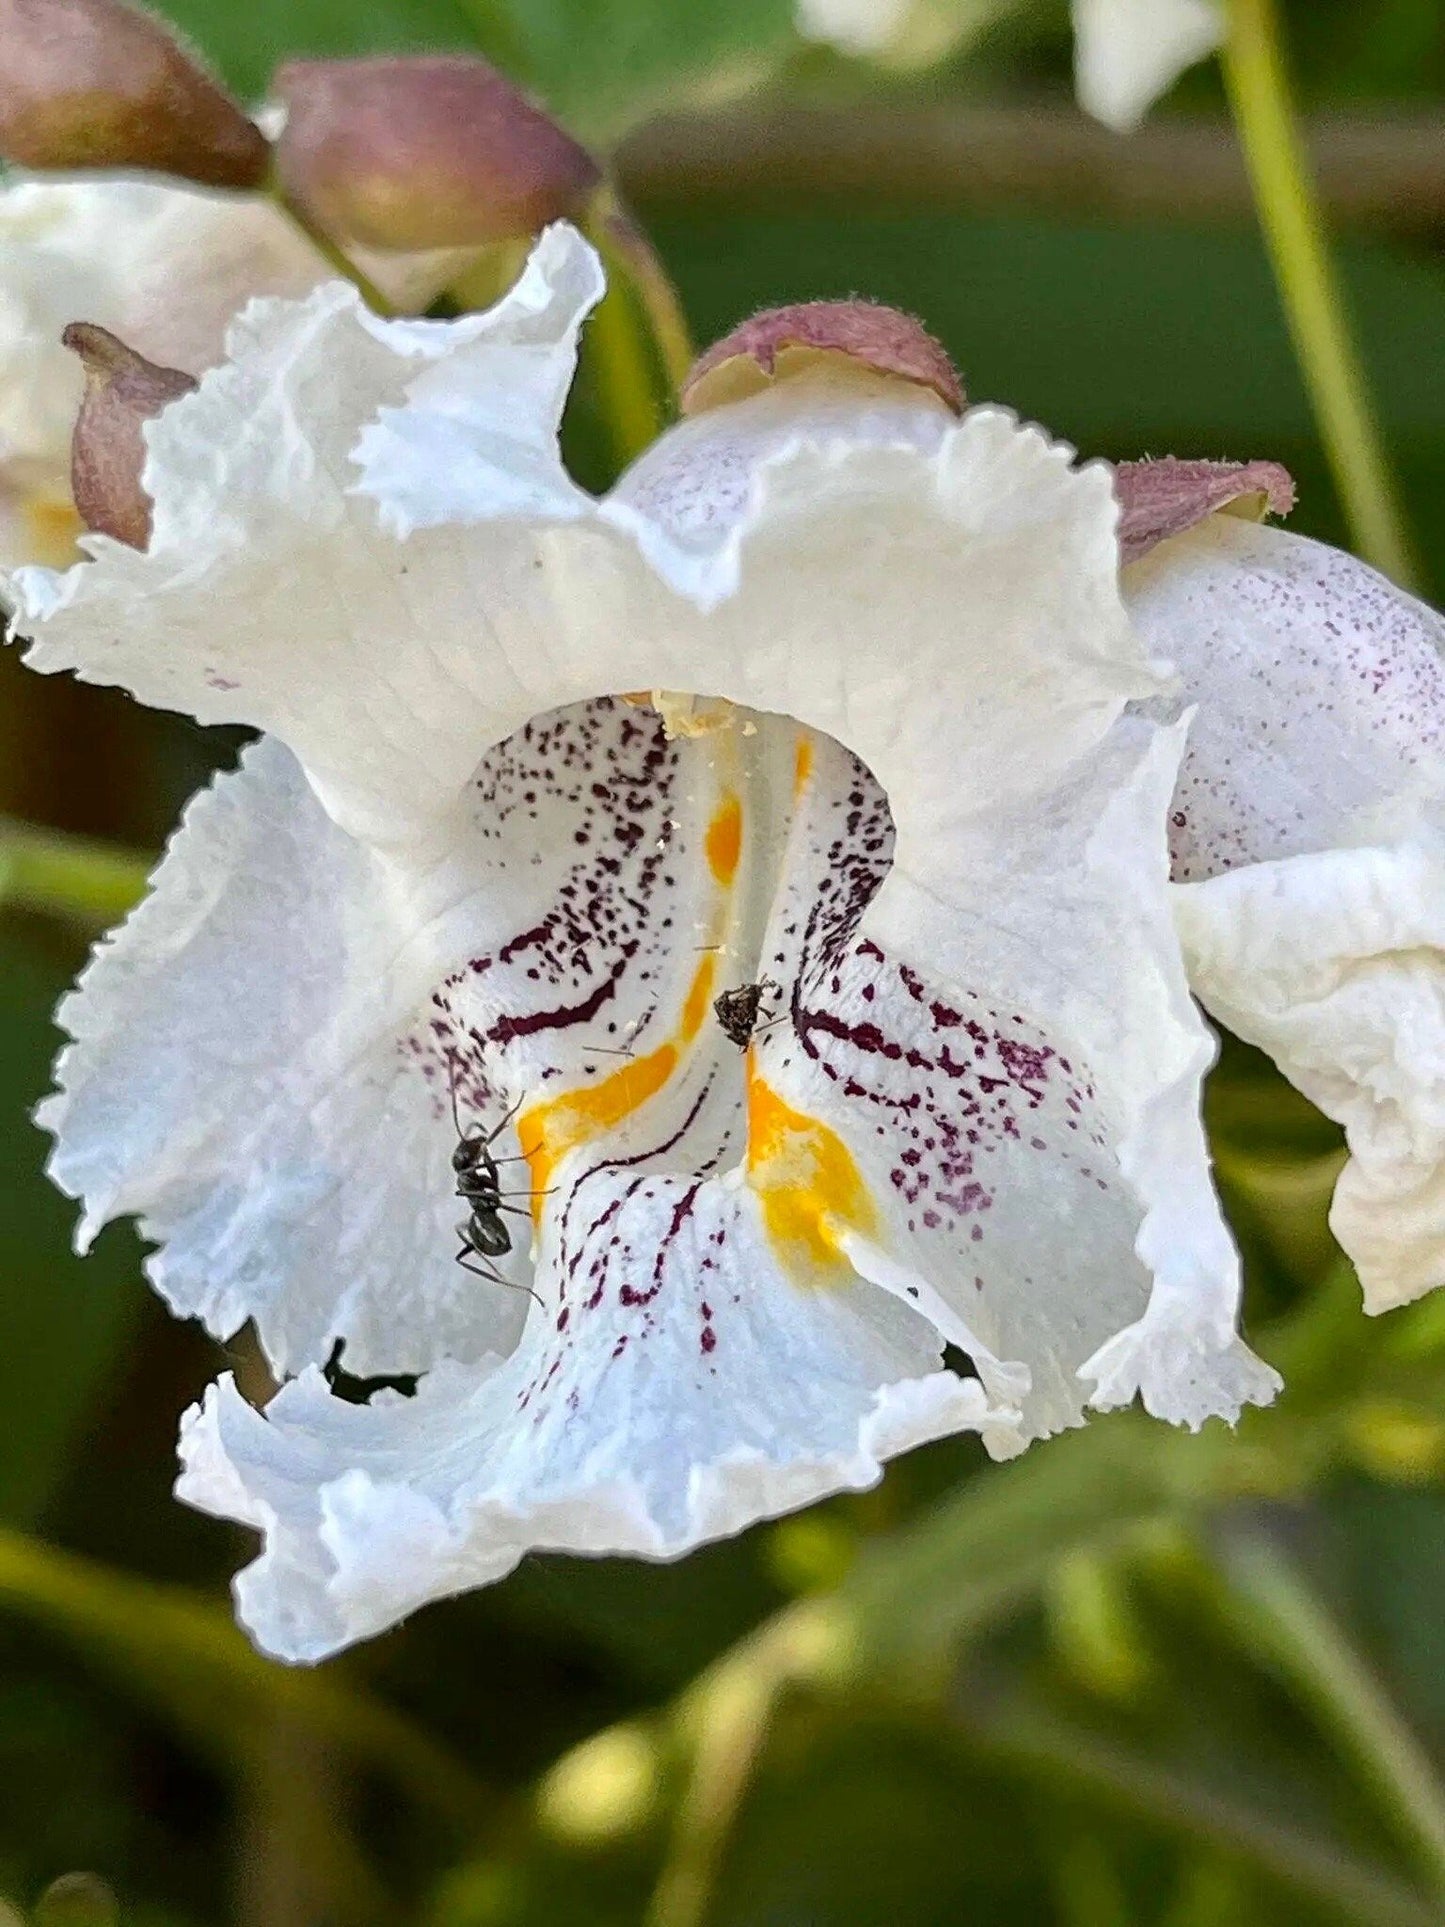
1135, 1679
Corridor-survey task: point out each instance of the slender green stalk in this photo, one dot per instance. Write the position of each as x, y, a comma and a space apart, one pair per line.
626, 248
631, 400
1277, 1611
724, 1720
637, 346
1289, 212
67, 876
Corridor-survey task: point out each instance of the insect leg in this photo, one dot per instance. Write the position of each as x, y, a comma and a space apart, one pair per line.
477, 1267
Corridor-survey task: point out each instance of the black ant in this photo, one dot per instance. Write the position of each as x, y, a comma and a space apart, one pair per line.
737, 1010
482, 1233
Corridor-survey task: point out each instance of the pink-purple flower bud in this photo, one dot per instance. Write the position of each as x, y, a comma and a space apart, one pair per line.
95, 83
775, 343
434, 151
1167, 496
123, 391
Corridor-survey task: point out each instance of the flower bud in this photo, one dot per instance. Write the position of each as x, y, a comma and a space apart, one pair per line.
123, 391
781, 341
1166, 497
431, 152
94, 83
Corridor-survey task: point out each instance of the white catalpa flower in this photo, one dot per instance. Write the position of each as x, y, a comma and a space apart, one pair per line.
1126, 52
164, 266
942, 1167
1308, 831
1129, 52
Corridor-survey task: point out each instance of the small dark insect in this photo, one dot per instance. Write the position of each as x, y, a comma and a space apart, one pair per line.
483, 1234
737, 1010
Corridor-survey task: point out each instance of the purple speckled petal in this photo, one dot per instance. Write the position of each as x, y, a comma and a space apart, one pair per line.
747, 1265
1308, 832
1167, 496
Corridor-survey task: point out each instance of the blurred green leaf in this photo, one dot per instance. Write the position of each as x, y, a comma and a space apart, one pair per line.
599, 67
188, 1660
916, 1595
63, 1324
1039, 1744
1284, 1620
77, 1900
1390, 1550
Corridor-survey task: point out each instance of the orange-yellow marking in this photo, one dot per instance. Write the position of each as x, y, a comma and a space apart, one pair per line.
802, 766
699, 999
807, 1183
547, 1132
51, 529
725, 839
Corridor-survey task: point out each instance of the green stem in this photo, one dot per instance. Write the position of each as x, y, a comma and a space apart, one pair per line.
1287, 202
626, 248
637, 341
724, 1720
67, 876
1276, 1610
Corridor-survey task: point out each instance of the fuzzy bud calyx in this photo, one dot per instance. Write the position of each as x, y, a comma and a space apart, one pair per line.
123, 391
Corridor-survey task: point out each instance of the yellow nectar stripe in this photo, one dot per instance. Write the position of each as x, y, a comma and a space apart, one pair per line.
725, 839
547, 1132
802, 766
806, 1182
699, 999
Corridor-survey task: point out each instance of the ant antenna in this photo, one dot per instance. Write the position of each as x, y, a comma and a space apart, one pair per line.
452, 1088
498, 1129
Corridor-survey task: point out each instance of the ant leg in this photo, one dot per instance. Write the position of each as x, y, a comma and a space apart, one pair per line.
480, 1269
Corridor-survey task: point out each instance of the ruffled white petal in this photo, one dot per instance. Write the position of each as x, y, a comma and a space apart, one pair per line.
163, 266
1307, 836
844, 486
1129, 52
237, 1080
269, 596
604, 1446
1335, 965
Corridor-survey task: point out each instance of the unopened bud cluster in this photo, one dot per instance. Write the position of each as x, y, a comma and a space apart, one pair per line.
398, 154
404, 153
95, 83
